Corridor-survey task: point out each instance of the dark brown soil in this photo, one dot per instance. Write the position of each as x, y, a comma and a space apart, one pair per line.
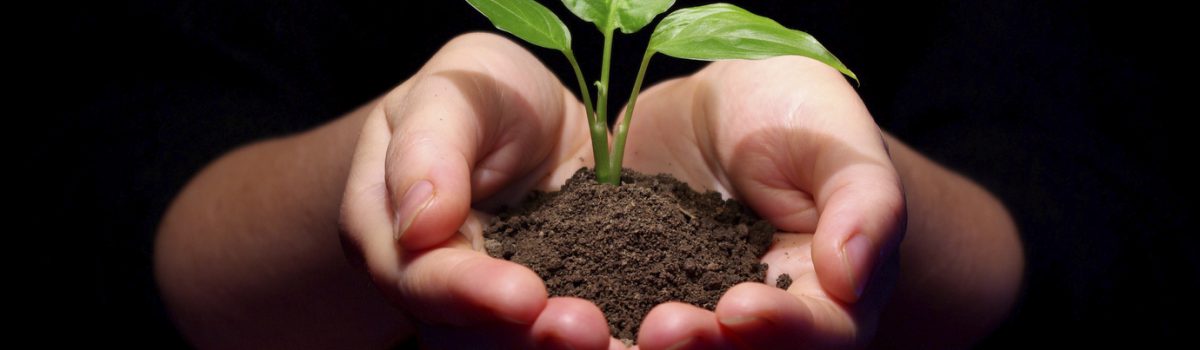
628, 248
783, 281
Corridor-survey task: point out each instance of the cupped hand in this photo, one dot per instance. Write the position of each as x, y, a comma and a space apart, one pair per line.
789, 137
482, 123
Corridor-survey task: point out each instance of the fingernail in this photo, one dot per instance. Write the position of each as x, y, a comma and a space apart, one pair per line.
415, 200
476, 242
855, 253
682, 344
738, 320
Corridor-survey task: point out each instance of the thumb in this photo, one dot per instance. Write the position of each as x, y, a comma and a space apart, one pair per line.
481, 115
856, 208
428, 167
862, 220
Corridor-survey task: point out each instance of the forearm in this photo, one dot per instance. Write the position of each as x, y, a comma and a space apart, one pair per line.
961, 260
248, 254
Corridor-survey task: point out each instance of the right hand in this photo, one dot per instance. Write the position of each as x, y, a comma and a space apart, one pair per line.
481, 124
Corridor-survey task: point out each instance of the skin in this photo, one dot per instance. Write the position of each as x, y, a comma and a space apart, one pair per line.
256, 251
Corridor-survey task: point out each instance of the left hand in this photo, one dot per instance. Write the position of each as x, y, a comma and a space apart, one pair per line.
481, 123
790, 138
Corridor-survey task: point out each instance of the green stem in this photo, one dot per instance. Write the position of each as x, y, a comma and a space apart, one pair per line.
618, 150
605, 173
598, 128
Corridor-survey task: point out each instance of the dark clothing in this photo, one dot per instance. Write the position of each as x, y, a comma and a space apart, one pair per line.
1058, 108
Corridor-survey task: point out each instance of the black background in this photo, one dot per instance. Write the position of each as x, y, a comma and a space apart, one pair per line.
1068, 111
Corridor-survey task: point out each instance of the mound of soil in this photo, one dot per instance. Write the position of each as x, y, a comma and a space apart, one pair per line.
628, 248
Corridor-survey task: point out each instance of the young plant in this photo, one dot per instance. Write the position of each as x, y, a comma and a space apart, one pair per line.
707, 33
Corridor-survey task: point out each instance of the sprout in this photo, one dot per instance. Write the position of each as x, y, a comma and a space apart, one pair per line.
707, 33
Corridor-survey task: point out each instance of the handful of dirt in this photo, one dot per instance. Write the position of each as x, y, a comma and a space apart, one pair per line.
629, 248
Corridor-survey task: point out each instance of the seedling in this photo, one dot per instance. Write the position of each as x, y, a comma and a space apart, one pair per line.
707, 33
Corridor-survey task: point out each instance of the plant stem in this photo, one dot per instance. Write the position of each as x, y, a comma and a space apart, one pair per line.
605, 173
598, 127
618, 150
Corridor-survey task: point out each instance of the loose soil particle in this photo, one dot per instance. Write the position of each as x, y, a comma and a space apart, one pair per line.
628, 248
783, 281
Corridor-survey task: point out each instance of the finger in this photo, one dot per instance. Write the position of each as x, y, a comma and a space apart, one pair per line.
565, 323
676, 325
423, 283
481, 115
364, 206
461, 287
453, 285
861, 224
764, 317
614, 344
571, 323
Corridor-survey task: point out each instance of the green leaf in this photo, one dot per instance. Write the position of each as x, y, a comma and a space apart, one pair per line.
528, 20
723, 31
628, 15
595, 11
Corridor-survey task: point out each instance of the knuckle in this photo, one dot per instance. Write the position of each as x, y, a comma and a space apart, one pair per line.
473, 44
475, 38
